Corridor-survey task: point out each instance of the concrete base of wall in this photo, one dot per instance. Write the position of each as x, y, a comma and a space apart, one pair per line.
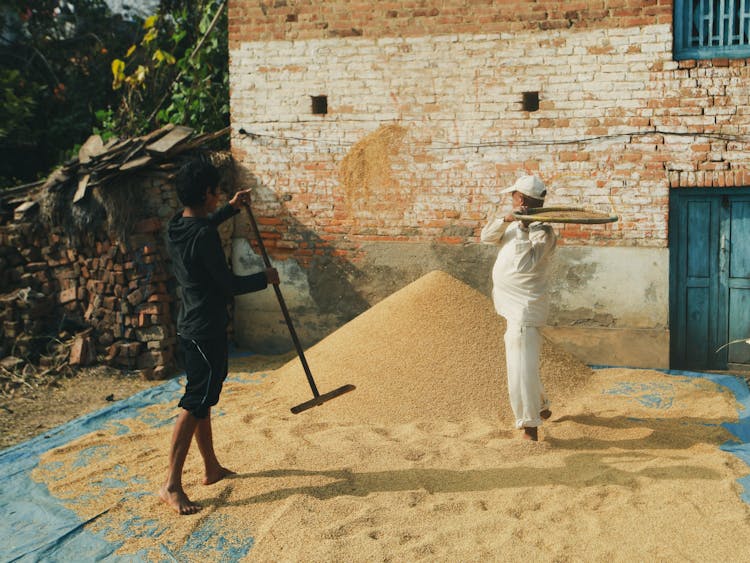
640, 348
608, 305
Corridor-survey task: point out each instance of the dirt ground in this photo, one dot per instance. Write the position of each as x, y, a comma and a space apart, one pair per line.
33, 411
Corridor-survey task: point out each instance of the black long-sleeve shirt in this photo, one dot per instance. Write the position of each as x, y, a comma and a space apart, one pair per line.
201, 270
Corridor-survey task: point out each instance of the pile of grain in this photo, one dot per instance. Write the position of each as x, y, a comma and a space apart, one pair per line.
433, 350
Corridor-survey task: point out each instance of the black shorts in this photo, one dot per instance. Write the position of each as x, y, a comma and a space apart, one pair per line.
205, 364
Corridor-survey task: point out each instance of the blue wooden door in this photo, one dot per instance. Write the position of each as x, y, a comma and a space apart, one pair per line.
735, 250
709, 233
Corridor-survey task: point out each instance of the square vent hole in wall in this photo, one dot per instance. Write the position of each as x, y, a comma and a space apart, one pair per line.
319, 105
530, 101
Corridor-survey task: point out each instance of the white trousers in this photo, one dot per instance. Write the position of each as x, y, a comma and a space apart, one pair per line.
523, 345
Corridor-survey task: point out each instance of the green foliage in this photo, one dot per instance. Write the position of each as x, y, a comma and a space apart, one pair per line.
17, 101
54, 65
57, 84
176, 72
108, 125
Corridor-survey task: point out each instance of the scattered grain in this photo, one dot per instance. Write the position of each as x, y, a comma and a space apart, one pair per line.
420, 463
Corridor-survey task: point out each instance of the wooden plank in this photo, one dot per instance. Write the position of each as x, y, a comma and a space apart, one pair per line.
202, 139
24, 210
158, 133
701, 279
698, 239
111, 143
139, 162
22, 189
739, 325
101, 180
117, 149
83, 183
174, 137
92, 147
133, 151
737, 246
119, 146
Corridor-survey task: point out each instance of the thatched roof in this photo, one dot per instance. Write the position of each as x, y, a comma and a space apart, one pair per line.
98, 165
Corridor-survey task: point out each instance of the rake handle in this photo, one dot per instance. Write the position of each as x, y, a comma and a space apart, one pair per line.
282, 304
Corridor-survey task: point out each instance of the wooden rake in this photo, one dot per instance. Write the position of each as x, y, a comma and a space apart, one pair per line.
317, 399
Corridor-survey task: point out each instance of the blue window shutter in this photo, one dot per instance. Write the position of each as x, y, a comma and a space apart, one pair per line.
711, 29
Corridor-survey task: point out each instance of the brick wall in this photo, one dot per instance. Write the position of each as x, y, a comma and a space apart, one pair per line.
271, 20
426, 123
421, 131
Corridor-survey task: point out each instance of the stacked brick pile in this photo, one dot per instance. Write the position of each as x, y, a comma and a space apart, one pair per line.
121, 292
111, 299
26, 297
76, 299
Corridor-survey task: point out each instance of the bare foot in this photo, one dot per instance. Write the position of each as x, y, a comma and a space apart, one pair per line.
530, 433
216, 475
178, 500
545, 414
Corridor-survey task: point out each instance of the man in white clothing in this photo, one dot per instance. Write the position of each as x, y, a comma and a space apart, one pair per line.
519, 278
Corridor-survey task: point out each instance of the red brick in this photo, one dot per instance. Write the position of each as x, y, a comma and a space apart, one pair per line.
150, 225
81, 352
68, 295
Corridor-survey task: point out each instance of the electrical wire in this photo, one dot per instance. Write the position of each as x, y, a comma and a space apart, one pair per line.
523, 143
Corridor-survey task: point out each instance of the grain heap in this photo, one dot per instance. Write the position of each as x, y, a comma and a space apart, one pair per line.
431, 350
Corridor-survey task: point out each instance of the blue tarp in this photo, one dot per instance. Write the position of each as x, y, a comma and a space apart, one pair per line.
740, 429
654, 397
35, 526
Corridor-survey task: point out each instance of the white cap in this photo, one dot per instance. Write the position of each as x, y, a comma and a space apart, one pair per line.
531, 186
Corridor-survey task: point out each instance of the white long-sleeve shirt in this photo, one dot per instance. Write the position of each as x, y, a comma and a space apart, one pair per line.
521, 271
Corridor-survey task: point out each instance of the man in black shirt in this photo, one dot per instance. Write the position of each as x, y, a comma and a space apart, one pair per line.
207, 287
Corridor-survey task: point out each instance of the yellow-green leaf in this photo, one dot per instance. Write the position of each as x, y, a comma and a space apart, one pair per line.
140, 73
150, 36
118, 67
163, 57
117, 83
131, 50
150, 21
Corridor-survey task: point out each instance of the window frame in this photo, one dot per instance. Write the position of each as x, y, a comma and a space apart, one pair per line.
681, 52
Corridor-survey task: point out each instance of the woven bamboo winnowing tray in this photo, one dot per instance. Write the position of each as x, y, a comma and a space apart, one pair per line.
565, 215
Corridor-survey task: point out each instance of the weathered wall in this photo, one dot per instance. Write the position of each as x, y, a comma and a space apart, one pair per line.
425, 123
611, 305
95, 274
110, 293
